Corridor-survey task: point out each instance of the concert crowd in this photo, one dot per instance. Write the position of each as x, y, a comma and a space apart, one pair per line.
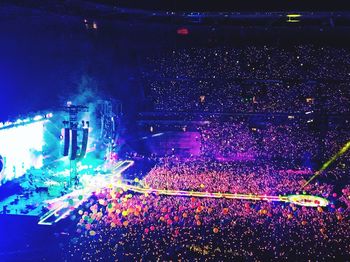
237, 156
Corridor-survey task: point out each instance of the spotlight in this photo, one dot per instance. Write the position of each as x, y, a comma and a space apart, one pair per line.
37, 118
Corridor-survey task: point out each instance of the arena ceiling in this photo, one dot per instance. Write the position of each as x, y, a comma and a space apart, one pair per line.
229, 6
268, 13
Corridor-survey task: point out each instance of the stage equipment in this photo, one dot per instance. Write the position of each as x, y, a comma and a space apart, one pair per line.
71, 138
110, 112
74, 146
84, 144
66, 141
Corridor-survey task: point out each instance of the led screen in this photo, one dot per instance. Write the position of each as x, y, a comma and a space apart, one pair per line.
21, 149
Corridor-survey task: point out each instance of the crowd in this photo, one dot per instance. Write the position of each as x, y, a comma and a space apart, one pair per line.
294, 140
254, 62
227, 139
293, 79
224, 177
128, 226
123, 225
117, 224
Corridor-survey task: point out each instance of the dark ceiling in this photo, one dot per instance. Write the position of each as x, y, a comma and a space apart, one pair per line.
269, 13
229, 5
179, 6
